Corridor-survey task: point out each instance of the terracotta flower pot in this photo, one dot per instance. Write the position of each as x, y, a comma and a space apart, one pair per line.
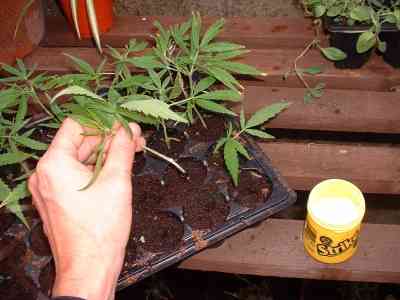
104, 12
30, 32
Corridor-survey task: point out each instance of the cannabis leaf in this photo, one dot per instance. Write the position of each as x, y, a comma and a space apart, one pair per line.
155, 108
10, 198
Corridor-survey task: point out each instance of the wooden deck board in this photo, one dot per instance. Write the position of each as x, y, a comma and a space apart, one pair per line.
374, 168
252, 32
375, 76
275, 248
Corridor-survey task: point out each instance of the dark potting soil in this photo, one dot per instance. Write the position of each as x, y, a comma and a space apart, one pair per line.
160, 232
215, 130
253, 189
39, 243
206, 208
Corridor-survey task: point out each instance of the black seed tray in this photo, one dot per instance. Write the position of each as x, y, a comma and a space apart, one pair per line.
281, 197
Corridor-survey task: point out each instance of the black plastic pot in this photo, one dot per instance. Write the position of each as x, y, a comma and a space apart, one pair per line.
345, 38
392, 54
239, 217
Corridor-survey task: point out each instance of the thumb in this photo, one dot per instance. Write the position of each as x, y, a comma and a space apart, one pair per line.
121, 152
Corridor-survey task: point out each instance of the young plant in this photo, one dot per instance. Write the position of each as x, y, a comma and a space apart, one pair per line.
331, 53
372, 13
234, 146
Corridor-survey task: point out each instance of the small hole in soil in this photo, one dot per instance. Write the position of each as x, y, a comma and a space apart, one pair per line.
39, 243
158, 232
253, 189
179, 186
215, 129
146, 191
205, 208
177, 144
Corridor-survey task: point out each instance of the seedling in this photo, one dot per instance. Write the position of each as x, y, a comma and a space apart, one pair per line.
373, 13
233, 145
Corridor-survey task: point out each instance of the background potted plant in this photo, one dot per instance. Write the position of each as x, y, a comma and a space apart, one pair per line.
359, 26
19, 43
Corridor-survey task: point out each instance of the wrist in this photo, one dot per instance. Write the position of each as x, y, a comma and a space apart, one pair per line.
93, 279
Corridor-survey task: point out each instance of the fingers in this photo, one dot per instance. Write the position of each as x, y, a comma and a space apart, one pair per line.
68, 139
122, 151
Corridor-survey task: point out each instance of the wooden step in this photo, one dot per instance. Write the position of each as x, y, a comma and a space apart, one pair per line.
275, 248
375, 76
374, 168
252, 32
337, 110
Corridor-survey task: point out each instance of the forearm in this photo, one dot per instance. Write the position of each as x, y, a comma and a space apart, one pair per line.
89, 283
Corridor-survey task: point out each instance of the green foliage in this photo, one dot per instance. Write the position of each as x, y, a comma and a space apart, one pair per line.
176, 82
372, 13
234, 146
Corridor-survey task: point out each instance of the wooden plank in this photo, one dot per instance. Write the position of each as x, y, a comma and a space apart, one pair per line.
337, 110
252, 32
375, 76
374, 168
275, 248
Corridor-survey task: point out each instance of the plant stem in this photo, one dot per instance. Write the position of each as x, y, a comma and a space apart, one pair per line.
166, 158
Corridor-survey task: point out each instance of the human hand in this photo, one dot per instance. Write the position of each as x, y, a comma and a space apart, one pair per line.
87, 230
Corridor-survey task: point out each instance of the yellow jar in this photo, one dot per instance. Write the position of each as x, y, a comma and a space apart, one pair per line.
335, 210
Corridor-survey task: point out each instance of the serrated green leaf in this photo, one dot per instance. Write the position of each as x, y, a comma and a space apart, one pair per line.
8, 98
13, 158
238, 68
360, 13
366, 41
219, 144
382, 46
30, 143
319, 11
212, 32
155, 108
214, 107
12, 201
242, 119
240, 148
4, 191
146, 62
225, 95
84, 121
221, 47
204, 84
22, 111
81, 65
195, 34
266, 113
225, 77
179, 39
311, 70
133, 81
11, 70
155, 78
334, 11
230, 54
76, 90
134, 116
259, 133
176, 90
232, 160
333, 53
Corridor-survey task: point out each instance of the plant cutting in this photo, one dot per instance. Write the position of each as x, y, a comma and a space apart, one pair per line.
181, 93
359, 26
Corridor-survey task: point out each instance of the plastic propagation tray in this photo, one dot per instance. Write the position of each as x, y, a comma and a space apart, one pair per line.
345, 38
280, 197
